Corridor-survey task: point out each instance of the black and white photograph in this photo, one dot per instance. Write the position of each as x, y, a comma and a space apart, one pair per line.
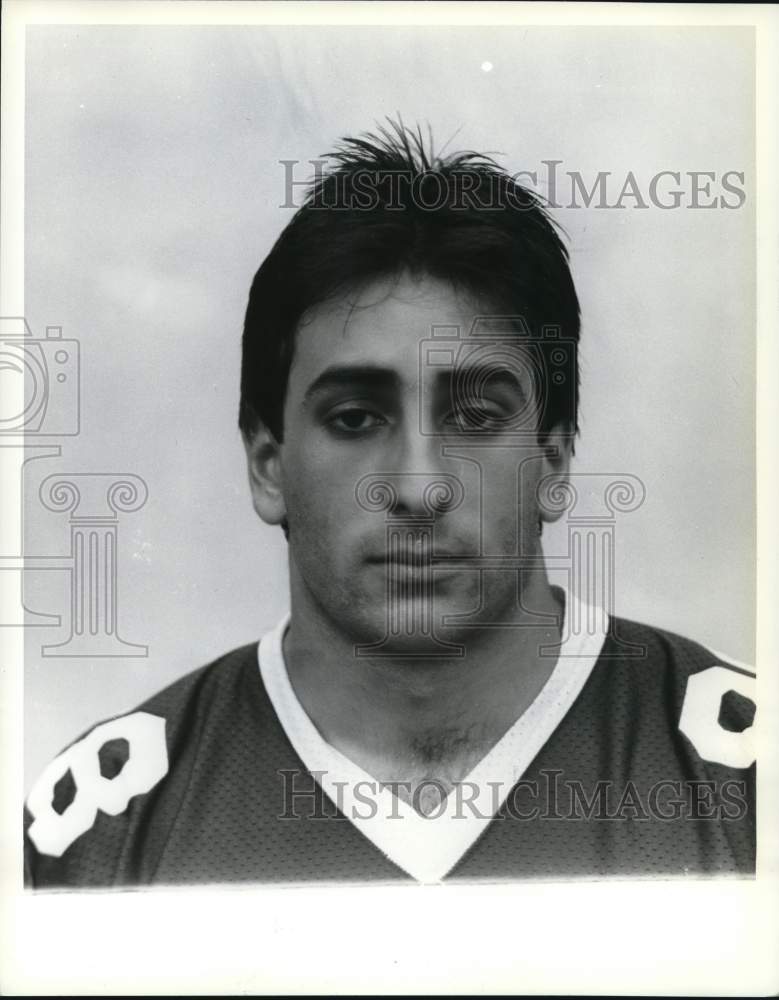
385, 478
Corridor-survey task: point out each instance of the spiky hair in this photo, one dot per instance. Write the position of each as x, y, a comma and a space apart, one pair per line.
397, 147
384, 203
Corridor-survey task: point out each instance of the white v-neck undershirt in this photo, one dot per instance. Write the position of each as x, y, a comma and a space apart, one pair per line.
428, 847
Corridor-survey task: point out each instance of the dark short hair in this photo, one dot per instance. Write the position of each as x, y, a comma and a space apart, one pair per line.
384, 204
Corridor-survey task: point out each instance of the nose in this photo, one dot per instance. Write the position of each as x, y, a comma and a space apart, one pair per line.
408, 495
414, 484
424, 488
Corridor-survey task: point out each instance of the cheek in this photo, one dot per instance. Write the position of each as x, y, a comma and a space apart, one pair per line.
509, 511
317, 535
319, 498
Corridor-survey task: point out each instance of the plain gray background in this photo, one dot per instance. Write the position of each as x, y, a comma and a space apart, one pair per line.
153, 188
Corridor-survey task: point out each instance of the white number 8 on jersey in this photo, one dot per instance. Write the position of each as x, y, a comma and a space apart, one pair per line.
699, 720
52, 832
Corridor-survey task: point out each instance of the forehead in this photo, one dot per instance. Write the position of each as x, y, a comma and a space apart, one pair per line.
383, 324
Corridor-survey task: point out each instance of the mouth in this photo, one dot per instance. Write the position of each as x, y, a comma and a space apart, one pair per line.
415, 564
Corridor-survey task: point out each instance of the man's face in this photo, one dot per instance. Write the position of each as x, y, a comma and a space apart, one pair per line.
377, 438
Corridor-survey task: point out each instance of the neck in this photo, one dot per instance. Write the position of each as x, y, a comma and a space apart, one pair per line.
403, 719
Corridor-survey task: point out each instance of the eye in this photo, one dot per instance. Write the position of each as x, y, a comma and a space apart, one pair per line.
475, 415
355, 420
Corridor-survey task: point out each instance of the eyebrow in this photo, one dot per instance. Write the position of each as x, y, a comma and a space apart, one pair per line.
502, 376
377, 377
372, 376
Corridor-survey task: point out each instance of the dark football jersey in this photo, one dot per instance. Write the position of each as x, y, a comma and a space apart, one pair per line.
650, 772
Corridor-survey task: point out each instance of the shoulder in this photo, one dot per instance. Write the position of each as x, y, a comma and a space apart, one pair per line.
206, 691
710, 698
683, 653
647, 651
125, 775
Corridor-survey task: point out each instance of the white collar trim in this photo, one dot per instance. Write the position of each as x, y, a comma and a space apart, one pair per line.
429, 847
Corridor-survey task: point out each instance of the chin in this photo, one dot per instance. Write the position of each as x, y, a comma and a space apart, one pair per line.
410, 629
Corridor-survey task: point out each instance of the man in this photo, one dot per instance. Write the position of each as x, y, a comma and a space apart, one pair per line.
432, 708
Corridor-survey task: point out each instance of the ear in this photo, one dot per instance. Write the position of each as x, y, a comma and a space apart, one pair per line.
557, 447
263, 455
